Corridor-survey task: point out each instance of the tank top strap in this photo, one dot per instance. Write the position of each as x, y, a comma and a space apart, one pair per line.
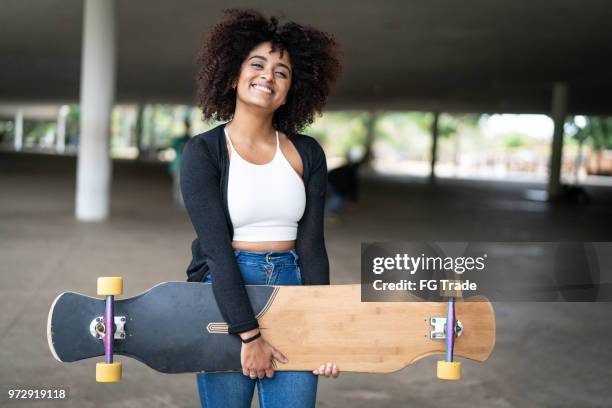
237, 155
232, 145
229, 140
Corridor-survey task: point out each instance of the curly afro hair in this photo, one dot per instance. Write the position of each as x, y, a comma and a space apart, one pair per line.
314, 58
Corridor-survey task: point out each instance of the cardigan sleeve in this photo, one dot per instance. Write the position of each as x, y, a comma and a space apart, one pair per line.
200, 179
310, 241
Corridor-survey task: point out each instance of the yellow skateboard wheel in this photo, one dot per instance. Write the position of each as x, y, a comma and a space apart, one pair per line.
110, 285
108, 372
449, 370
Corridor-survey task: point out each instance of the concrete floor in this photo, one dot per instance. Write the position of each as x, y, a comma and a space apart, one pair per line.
547, 354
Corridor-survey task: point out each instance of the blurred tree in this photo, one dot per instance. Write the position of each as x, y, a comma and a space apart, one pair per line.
338, 132
403, 130
601, 137
595, 130
514, 140
580, 134
38, 132
451, 126
7, 128
73, 125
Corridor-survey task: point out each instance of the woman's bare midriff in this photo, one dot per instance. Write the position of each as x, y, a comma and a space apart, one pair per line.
264, 245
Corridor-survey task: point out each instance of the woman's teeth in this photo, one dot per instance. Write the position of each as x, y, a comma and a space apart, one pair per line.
262, 88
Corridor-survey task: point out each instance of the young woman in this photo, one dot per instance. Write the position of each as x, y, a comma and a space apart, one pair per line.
254, 189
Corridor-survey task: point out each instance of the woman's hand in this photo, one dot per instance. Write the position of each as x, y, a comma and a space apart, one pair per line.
327, 370
256, 357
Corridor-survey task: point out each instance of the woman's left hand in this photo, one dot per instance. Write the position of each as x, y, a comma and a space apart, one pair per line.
327, 370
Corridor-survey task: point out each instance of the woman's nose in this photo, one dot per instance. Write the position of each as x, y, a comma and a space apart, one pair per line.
266, 74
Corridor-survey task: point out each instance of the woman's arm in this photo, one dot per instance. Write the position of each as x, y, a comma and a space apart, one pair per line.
200, 180
310, 241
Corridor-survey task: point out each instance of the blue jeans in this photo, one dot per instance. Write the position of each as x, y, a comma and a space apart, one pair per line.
287, 388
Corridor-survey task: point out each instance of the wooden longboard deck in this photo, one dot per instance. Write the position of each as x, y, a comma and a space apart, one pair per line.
176, 327
332, 324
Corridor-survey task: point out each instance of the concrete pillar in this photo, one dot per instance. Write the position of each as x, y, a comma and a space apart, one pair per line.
139, 129
560, 100
18, 142
97, 95
152, 136
60, 140
434, 147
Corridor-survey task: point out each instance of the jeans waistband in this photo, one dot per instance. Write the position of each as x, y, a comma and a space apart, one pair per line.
267, 256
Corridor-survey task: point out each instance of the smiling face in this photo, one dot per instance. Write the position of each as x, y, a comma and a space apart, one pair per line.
265, 78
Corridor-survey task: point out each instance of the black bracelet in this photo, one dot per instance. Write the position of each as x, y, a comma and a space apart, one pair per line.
252, 338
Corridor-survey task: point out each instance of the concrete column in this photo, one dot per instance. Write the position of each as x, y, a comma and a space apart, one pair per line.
560, 100
434, 147
60, 140
97, 95
18, 142
152, 136
139, 129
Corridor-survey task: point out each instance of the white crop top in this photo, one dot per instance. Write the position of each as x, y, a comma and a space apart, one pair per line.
265, 201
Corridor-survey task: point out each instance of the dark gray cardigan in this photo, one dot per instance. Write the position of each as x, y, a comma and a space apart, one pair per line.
204, 176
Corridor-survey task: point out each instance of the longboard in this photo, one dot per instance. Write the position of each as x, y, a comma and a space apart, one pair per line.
176, 327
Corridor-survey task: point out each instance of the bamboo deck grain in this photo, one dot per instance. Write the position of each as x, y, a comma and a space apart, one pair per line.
320, 324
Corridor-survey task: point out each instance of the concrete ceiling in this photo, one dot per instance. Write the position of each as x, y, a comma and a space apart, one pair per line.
478, 56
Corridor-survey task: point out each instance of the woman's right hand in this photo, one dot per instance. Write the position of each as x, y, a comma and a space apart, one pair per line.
256, 357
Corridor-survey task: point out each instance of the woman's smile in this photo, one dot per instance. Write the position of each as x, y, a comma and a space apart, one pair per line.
262, 88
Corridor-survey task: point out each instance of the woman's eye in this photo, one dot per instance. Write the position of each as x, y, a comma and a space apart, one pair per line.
259, 66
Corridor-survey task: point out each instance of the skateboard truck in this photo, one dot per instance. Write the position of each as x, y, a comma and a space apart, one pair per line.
439, 330
448, 330
97, 327
109, 371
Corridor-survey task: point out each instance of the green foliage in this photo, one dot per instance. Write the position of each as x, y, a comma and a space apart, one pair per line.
514, 140
450, 125
339, 131
602, 132
73, 122
38, 132
596, 130
396, 128
7, 131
